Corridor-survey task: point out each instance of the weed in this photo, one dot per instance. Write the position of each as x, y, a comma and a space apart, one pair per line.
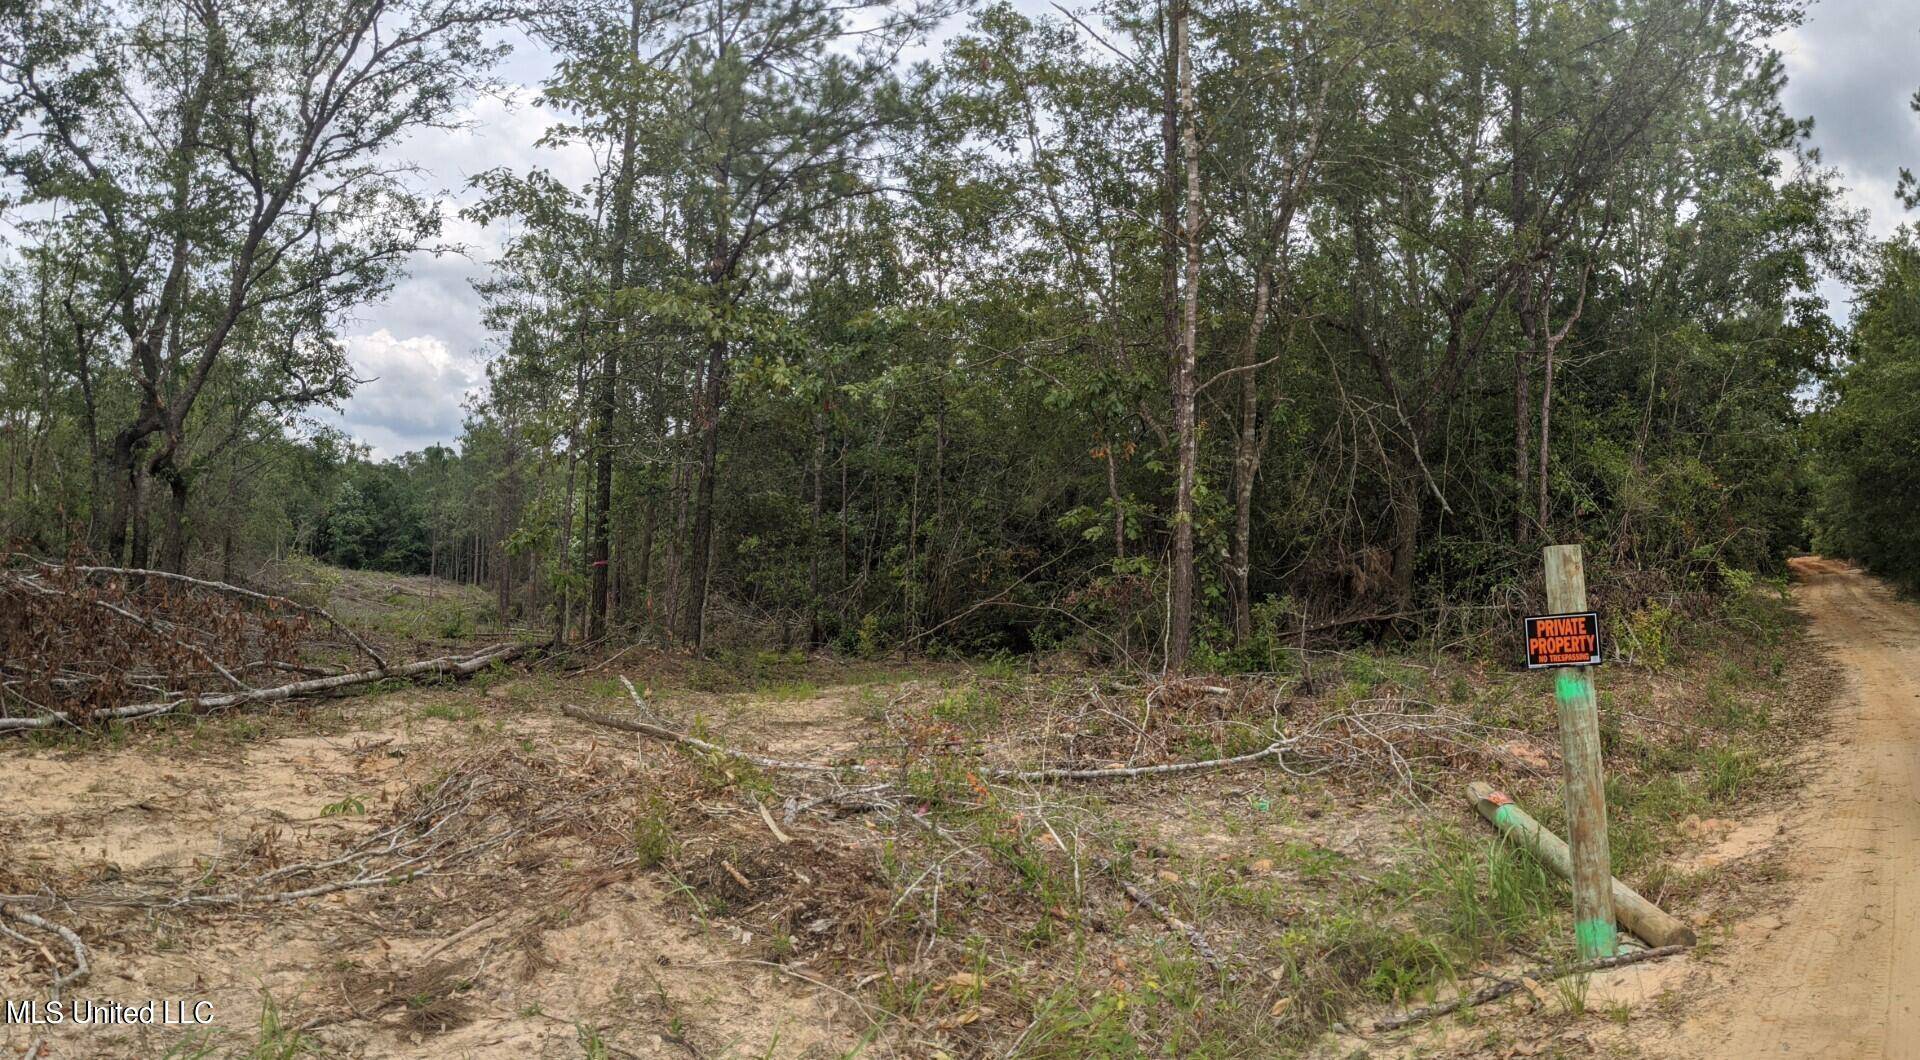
449, 711
198, 1046
278, 1041
592, 1046
1731, 772
1001, 667
1573, 994
790, 691
971, 707
1649, 634
653, 840
1489, 893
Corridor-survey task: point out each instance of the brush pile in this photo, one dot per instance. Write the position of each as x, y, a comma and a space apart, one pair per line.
84, 644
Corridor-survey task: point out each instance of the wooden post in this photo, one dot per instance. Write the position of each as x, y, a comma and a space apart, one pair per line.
1658, 927
1585, 787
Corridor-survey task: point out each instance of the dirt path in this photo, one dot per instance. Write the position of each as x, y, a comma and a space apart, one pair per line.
1836, 972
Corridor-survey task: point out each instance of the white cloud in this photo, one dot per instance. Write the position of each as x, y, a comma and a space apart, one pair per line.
424, 380
412, 391
1851, 67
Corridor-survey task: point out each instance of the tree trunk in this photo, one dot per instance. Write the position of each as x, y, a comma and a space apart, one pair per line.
815, 630
126, 465
140, 549
1246, 456
643, 580
1185, 429
1408, 509
693, 627
1246, 465
176, 557
600, 599
670, 572
1522, 458
1546, 432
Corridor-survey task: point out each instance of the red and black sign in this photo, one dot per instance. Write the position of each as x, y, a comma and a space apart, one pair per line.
1563, 640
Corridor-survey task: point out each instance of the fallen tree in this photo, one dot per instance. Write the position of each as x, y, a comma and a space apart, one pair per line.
222, 588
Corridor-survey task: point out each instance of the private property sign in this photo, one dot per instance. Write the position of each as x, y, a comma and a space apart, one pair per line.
1563, 640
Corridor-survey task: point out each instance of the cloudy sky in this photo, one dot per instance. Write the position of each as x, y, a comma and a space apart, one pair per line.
1852, 66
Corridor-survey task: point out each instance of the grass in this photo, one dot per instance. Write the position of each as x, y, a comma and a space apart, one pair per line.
274, 1040
457, 710
653, 837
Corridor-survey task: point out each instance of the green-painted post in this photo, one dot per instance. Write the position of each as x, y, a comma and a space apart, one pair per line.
1585, 788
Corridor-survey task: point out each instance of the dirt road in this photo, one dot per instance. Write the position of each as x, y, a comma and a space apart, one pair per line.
1836, 973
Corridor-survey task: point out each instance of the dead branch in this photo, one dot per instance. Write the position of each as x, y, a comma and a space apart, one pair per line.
661, 732
1193, 935
229, 590
159, 627
1501, 988
81, 968
424, 845
449, 665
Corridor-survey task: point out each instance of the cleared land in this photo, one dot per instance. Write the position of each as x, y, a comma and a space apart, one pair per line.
463, 869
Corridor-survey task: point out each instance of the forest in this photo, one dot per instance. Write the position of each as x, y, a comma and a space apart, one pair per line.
1164, 333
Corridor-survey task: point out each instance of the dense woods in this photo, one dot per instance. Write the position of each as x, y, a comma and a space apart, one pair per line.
1162, 332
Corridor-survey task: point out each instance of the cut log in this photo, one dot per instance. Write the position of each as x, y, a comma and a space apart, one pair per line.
1657, 927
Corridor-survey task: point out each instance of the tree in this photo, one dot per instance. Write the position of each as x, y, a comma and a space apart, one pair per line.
1866, 428
224, 164
775, 123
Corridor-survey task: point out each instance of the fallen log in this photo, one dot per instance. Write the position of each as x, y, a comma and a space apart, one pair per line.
1501, 988
456, 666
1657, 927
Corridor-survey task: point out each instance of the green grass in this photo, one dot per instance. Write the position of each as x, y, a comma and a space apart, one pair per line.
789, 691
1174, 1006
277, 1040
653, 836
450, 711
970, 707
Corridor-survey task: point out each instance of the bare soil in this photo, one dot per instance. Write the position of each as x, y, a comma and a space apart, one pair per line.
417, 970
1834, 970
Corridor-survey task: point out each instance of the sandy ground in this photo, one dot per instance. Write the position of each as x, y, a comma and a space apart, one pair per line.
622, 956
1835, 972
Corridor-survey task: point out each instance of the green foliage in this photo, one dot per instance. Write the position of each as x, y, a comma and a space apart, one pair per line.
653, 835
1647, 634
874, 355
1868, 421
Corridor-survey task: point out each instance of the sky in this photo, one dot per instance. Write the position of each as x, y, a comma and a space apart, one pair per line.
422, 351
